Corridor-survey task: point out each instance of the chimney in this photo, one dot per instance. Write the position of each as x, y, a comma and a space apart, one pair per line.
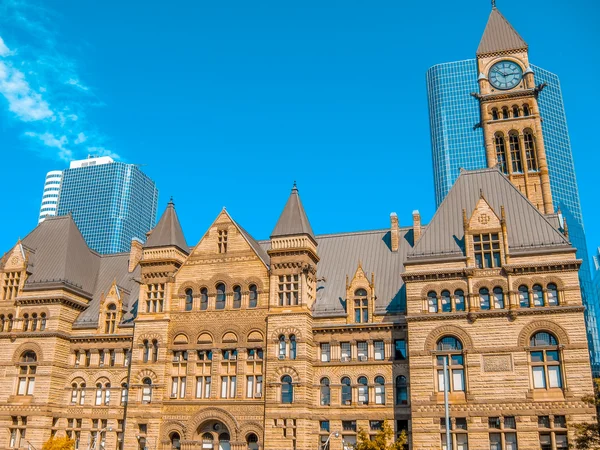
394, 232
416, 225
135, 253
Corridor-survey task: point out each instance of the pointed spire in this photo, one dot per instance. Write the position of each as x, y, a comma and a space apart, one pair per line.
293, 219
499, 35
167, 231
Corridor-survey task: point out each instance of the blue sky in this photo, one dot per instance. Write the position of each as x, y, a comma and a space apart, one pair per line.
227, 103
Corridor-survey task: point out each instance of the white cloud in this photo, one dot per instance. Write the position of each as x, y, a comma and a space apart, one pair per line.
4, 51
101, 151
27, 104
77, 83
81, 138
50, 140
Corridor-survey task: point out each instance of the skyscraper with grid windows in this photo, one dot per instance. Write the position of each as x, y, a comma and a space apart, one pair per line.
111, 202
457, 139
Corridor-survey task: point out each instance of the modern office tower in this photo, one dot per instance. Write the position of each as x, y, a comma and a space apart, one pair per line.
52, 184
463, 135
111, 202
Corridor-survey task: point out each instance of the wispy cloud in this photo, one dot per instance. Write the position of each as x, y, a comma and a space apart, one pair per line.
43, 91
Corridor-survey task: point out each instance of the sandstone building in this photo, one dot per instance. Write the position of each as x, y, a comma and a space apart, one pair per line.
303, 339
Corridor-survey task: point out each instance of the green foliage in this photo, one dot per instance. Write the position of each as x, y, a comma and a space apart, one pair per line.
587, 435
384, 440
61, 443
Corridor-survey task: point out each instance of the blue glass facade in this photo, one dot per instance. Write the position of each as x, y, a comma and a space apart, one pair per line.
111, 204
455, 143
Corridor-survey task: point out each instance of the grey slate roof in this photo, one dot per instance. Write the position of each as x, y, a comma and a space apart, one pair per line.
167, 231
527, 228
293, 219
499, 35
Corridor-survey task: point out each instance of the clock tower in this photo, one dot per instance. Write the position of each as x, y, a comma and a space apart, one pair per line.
510, 115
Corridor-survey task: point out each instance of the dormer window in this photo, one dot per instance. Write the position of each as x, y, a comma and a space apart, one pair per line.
361, 306
222, 241
486, 247
10, 286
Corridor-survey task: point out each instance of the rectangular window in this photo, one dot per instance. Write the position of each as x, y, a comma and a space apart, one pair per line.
228, 385
325, 352
11, 285
486, 248
288, 289
539, 378
178, 387
399, 349
155, 296
362, 349
222, 241
510, 441
379, 351
259, 383
345, 352
250, 386
224, 382
349, 425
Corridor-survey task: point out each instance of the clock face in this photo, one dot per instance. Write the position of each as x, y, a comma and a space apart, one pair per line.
505, 75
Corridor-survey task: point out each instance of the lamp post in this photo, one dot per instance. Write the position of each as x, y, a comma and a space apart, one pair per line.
334, 434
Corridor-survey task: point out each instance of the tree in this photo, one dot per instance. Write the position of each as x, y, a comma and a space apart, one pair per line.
384, 440
61, 443
587, 435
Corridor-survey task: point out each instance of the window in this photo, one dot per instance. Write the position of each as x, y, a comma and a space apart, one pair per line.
126, 357
523, 296
553, 428
124, 394
486, 248
379, 391
552, 295
254, 386
175, 441
362, 350
222, 241
346, 391
379, 350
459, 437
228, 382
501, 152
325, 352
450, 349
505, 113
498, 298
545, 361
237, 297
292, 346
432, 302
324, 425
253, 296
288, 290
42, 321
446, 302
515, 152
530, 156
325, 392
203, 387
363, 391
203, 299
526, 111
34, 322
255, 353
361, 306
230, 355
17, 432
282, 347
78, 394
178, 387
112, 358
110, 320
538, 295
189, 299
101, 355
252, 441
10, 286
27, 369
25, 322
502, 434
494, 114
287, 389
515, 111
102, 394
484, 298
155, 296
401, 390
459, 300
399, 349
146, 390
221, 296
154, 350
345, 352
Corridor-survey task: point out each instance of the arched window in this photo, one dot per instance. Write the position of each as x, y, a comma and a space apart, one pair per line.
515, 152
459, 300
515, 111
505, 112
325, 392
237, 297
98, 394
523, 296
189, 299
124, 393
401, 390
432, 303
538, 295
74, 393
363, 391
545, 361
498, 298
34, 322
292, 346
107, 394
379, 391
361, 306
446, 301
484, 298
27, 369
9, 326
203, 299
175, 441
220, 303
552, 295
42, 321
2, 319
154, 350
25, 322
146, 352
501, 152
253, 296
450, 349
146, 390
287, 389
282, 347
111, 319
494, 114
530, 154
526, 111
224, 439
252, 441
346, 391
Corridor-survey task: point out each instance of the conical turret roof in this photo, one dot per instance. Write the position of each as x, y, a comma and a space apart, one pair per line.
499, 35
293, 219
167, 231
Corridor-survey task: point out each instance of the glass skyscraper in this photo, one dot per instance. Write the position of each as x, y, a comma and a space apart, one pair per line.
457, 142
111, 202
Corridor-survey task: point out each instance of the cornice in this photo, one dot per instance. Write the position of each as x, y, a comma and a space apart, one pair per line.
511, 314
350, 327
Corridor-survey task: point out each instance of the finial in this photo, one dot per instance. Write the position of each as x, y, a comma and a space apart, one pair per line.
493, 4
294, 188
171, 201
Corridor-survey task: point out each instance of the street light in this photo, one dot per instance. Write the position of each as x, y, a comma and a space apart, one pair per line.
334, 434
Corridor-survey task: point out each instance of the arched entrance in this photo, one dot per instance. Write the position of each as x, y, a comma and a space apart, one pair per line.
214, 435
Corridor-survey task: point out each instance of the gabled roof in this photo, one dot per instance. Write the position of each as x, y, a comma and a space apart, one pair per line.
293, 219
167, 231
260, 252
527, 228
499, 35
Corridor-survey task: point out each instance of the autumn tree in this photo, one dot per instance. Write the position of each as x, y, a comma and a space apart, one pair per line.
587, 435
383, 440
60, 443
